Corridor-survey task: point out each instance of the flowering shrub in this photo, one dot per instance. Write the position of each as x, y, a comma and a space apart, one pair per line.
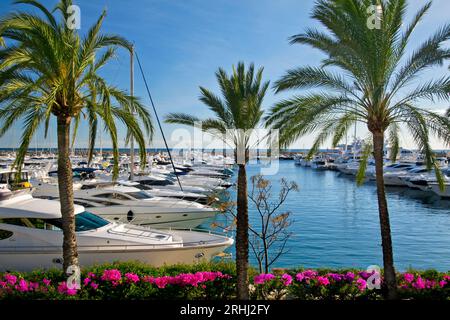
315, 285
136, 281
112, 282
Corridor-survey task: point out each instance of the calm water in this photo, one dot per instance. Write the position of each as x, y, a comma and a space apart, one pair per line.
336, 222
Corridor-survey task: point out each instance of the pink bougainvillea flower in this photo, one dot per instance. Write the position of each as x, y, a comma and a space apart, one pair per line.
310, 273
94, 285
299, 277
286, 279
86, 281
335, 276
362, 284
263, 278
349, 276
10, 279
63, 289
442, 283
409, 277
112, 275
46, 282
22, 286
419, 284
323, 281
132, 277
161, 282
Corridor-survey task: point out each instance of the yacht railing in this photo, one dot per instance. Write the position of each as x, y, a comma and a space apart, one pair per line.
105, 247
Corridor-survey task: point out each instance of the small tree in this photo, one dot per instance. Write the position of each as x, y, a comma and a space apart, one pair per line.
268, 238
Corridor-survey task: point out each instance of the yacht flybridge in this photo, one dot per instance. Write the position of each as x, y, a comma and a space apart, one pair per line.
132, 205
31, 238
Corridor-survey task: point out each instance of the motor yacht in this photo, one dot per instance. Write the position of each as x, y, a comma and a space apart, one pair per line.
434, 186
400, 177
169, 193
319, 163
132, 205
423, 180
31, 238
165, 182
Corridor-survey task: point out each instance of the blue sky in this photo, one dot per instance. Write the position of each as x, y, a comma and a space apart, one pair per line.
182, 43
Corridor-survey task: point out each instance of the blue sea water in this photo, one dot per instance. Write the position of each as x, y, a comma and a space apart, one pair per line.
336, 222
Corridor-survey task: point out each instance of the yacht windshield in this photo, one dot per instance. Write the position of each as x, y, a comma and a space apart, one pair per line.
84, 221
139, 195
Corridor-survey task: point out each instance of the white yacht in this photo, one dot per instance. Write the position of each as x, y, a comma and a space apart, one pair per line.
164, 182
297, 159
422, 180
31, 238
434, 186
169, 193
319, 163
400, 177
132, 205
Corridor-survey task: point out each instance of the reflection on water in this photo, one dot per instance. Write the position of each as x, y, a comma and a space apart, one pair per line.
336, 222
428, 199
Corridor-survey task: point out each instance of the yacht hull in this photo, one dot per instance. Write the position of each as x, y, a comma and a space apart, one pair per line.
159, 219
28, 261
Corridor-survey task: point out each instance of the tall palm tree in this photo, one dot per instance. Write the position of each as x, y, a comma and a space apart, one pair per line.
369, 82
236, 114
49, 70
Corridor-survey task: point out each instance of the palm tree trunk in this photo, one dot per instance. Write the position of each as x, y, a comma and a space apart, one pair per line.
65, 185
390, 283
242, 235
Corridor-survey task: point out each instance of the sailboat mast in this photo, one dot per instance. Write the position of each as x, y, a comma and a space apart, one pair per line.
354, 144
132, 109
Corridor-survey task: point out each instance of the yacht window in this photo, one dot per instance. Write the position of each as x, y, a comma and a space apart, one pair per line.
403, 166
117, 196
84, 221
157, 182
82, 203
104, 195
120, 196
5, 234
140, 195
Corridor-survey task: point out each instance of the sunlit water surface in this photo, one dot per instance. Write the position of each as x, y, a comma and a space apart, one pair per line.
336, 222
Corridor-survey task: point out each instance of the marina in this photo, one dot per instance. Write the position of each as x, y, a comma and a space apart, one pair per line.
193, 152
322, 235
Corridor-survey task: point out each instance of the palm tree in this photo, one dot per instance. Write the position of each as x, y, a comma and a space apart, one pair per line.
50, 70
235, 116
369, 83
